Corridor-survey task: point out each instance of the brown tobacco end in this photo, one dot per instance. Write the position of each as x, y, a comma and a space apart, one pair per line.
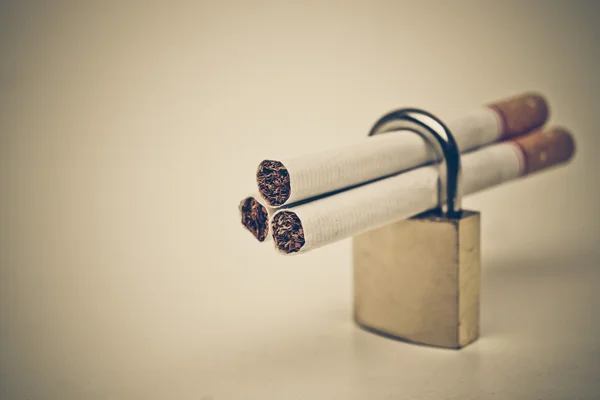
288, 232
273, 181
543, 149
255, 218
521, 114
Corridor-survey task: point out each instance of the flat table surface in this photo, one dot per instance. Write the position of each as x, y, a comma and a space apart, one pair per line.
285, 330
129, 134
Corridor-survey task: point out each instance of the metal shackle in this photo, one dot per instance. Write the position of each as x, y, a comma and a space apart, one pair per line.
439, 137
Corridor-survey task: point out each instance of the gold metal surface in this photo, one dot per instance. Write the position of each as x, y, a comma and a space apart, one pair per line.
419, 279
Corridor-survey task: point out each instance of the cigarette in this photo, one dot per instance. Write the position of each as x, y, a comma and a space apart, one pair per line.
255, 215
287, 181
321, 222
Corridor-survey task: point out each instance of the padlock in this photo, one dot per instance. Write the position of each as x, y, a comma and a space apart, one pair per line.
419, 279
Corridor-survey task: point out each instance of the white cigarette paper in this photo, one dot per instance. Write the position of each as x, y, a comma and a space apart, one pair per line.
354, 211
380, 155
349, 213
290, 180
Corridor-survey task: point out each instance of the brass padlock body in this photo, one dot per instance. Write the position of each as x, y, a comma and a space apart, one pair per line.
419, 279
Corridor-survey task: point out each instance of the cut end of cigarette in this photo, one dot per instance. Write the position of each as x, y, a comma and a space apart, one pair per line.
273, 181
288, 232
544, 149
255, 218
521, 114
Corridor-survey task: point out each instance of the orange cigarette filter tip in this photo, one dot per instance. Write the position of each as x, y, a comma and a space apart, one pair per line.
545, 148
521, 114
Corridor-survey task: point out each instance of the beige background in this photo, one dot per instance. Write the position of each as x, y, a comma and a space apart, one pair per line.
128, 134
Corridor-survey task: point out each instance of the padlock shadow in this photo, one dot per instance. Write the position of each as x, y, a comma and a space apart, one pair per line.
523, 298
525, 294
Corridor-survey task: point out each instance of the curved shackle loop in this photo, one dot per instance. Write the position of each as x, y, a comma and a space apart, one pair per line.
439, 137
